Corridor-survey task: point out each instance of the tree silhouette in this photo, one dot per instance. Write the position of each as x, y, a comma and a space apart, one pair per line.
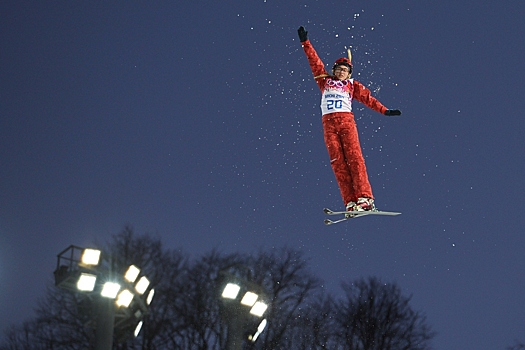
186, 311
375, 316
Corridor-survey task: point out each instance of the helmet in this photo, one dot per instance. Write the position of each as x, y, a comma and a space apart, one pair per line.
343, 61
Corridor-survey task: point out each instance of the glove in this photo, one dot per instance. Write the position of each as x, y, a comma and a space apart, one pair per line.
392, 112
303, 34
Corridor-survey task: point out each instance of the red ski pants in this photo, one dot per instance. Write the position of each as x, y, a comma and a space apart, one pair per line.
342, 141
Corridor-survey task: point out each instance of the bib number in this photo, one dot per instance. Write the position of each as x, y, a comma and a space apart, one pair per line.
334, 104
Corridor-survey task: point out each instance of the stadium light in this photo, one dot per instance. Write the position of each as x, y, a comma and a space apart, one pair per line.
260, 329
120, 303
241, 307
150, 296
124, 298
137, 329
86, 282
110, 290
231, 291
90, 257
132, 274
249, 299
142, 285
258, 309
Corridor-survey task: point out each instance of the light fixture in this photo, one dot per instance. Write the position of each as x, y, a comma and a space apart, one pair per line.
142, 285
231, 291
249, 299
86, 282
123, 294
258, 309
150, 296
124, 298
132, 273
260, 329
90, 257
240, 311
137, 329
110, 290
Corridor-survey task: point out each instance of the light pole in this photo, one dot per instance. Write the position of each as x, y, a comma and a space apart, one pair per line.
121, 300
243, 306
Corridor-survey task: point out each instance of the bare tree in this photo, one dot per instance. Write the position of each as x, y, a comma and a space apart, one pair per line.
20, 338
167, 271
375, 316
314, 326
60, 323
285, 277
66, 320
196, 310
186, 311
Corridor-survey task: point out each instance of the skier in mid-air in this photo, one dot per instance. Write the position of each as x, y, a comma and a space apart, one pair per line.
340, 130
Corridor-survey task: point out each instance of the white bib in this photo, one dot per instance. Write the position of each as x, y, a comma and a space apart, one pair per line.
336, 96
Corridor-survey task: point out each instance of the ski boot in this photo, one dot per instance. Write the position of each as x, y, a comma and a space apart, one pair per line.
364, 204
350, 208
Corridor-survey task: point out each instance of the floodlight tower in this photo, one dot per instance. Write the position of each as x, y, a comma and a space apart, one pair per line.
243, 305
122, 300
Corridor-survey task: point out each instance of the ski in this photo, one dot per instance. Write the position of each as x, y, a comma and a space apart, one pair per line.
356, 214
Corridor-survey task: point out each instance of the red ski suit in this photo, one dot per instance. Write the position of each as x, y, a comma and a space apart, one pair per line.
340, 130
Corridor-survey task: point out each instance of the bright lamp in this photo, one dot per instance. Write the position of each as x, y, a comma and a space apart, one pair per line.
132, 273
110, 290
150, 296
142, 285
137, 329
249, 299
86, 282
124, 298
231, 291
90, 257
258, 308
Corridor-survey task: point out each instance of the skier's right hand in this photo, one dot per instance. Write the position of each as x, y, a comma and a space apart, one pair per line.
303, 34
392, 112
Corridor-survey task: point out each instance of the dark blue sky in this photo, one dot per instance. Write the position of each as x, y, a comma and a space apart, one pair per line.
200, 122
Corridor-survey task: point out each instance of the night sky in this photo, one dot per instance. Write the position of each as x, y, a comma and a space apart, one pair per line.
199, 122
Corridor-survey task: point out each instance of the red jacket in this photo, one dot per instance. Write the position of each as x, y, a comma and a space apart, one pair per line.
356, 90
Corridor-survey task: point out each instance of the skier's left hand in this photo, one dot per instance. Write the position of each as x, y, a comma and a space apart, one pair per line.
303, 34
392, 112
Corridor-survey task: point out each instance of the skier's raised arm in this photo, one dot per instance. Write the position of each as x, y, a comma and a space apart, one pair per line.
316, 64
